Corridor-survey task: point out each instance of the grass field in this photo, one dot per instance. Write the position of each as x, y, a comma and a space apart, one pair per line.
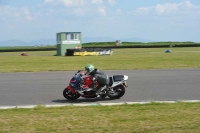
150, 118
122, 59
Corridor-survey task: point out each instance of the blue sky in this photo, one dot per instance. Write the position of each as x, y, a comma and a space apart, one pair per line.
157, 20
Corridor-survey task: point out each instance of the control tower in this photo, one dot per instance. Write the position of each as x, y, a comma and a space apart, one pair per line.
67, 40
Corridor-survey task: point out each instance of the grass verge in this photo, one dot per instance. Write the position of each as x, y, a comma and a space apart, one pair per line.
122, 59
151, 118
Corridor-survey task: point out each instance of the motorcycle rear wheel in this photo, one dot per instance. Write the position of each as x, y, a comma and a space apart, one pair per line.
120, 90
68, 95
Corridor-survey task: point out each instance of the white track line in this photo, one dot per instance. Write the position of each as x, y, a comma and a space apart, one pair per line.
96, 104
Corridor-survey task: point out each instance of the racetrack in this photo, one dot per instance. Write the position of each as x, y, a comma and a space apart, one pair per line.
144, 85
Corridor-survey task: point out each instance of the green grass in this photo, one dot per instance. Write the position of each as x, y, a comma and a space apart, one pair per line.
97, 44
26, 47
149, 118
122, 59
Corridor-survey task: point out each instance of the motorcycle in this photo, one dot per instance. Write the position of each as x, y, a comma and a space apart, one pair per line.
83, 85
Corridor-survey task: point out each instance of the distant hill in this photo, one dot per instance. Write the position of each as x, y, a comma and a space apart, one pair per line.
98, 39
16, 42
110, 39
43, 42
39, 42
13, 42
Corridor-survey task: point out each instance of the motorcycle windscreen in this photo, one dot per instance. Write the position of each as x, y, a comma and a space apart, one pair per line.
74, 81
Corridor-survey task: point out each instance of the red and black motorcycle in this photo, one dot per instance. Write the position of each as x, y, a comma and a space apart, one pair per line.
82, 85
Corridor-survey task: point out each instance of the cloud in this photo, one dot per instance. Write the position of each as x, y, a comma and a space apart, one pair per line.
73, 2
168, 8
79, 2
84, 7
118, 11
27, 14
11, 13
188, 4
49, 1
79, 12
67, 3
97, 2
102, 11
101, 2
111, 2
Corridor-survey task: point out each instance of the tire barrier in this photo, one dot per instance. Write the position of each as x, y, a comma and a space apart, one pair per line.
88, 51
24, 54
168, 51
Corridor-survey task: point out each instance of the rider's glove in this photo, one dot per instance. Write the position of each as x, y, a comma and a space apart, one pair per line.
94, 79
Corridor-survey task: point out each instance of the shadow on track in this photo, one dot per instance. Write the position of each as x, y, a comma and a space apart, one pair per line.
86, 100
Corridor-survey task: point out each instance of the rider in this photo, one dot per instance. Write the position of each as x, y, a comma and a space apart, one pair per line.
98, 76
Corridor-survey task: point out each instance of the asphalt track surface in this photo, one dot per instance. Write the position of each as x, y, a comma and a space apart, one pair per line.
144, 85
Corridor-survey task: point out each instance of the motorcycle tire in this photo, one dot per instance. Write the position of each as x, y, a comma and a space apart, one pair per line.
120, 90
68, 95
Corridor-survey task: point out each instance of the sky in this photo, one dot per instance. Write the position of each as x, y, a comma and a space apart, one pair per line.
156, 20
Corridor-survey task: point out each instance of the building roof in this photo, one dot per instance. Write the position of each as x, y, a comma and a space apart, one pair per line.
68, 32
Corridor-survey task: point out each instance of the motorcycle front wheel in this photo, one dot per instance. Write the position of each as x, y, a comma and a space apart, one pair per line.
68, 95
119, 90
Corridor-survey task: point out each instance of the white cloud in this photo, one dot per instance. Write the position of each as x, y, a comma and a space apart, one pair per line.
102, 11
168, 8
111, 2
101, 2
49, 1
188, 4
67, 3
3, 10
142, 10
97, 2
15, 13
27, 14
119, 11
85, 7
73, 2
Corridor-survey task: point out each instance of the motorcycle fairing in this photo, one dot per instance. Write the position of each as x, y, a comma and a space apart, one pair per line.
118, 78
71, 89
88, 80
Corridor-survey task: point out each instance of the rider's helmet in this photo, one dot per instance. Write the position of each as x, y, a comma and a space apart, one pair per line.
89, 68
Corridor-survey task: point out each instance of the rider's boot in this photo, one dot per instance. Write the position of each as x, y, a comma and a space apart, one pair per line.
99, 91
80, 92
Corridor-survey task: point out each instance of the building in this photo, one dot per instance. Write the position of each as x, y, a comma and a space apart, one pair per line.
68, 40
